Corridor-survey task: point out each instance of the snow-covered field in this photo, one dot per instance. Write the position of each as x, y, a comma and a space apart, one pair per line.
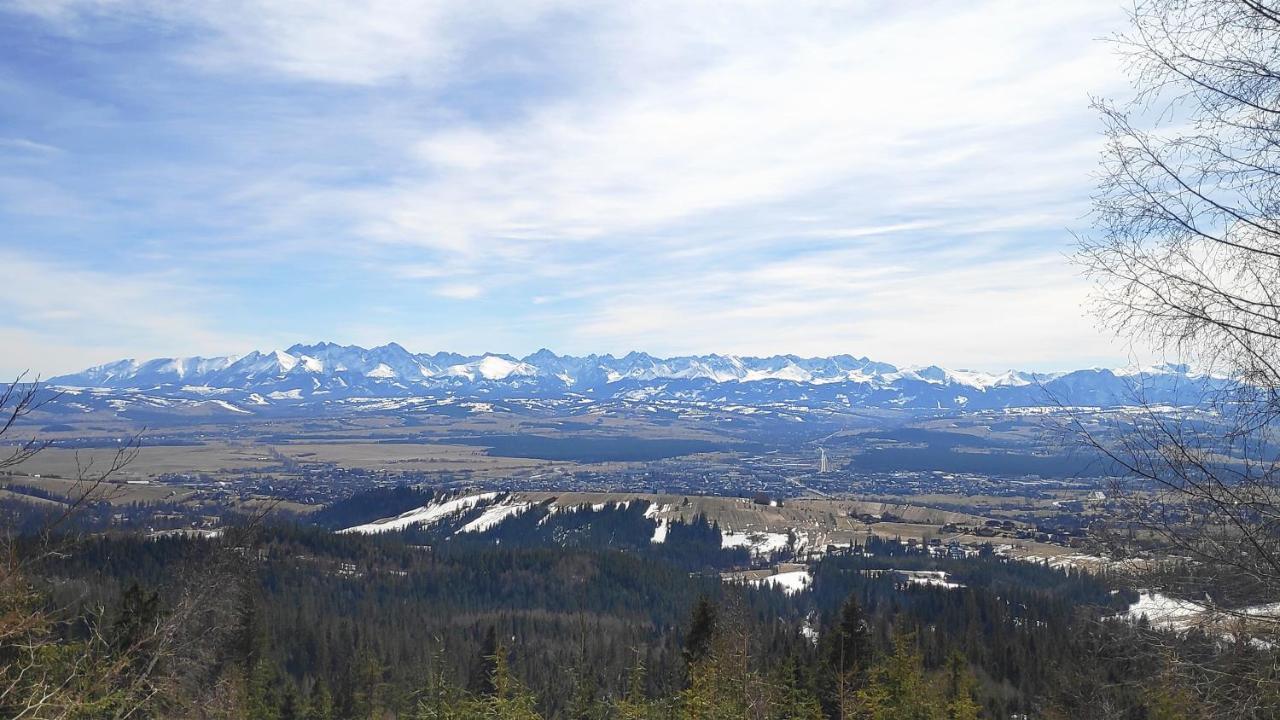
760, 543
929, 578
790, 582
1170, 613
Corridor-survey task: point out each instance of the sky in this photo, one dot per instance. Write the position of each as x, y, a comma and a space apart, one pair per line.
895, 180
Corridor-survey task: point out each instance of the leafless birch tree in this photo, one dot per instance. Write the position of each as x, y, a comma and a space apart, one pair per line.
1186, 258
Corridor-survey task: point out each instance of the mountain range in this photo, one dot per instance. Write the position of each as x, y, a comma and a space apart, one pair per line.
328, 372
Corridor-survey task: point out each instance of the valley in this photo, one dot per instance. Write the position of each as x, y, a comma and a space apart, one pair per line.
516, 499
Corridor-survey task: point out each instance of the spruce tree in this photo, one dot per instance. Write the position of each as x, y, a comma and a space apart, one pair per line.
634, 705
960, 689
848, 656
481, 682
702, 631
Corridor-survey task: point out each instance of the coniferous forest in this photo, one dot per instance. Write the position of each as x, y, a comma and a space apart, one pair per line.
292, 621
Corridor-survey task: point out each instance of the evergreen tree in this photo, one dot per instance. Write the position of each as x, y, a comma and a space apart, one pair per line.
584, 704
481, 682
960, 689
710, 695
262, 701
441, 699
702, 631
1166, 698
897, 690
791, 699
369, 690
848, 656
138, 610
634, 705
320, 704
510, 700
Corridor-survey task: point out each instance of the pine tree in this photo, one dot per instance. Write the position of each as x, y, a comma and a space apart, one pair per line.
791, 699
707, 698
481, 681
960, 689
138, 610
584, 705
368, 699
897, 690
702, 631
634, 705
262, 701
320, 704
510, 700
442, 699
848, 656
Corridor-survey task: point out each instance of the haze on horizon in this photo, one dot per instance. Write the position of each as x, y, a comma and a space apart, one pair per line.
872, 179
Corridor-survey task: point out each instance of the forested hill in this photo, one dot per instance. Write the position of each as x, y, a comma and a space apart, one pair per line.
575, 605
366, 626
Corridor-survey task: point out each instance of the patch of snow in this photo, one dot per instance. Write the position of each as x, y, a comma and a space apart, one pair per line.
228, 406
660, 532
381, 371
284, 361
808, 630
1163, 611
425, 515
653, 510
929, 578
494, 516
789, 582
760, 543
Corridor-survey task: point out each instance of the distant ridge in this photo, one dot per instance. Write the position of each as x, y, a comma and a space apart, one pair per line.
330, 372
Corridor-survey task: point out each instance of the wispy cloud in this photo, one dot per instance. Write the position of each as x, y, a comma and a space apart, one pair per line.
23, 145
58, 316
876, 178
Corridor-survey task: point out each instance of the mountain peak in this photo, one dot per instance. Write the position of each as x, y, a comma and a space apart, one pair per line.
327, 370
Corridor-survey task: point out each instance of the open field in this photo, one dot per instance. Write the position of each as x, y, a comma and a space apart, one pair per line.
116, 493
213, 457
406, 456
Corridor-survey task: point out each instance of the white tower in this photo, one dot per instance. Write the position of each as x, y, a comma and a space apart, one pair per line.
823, 467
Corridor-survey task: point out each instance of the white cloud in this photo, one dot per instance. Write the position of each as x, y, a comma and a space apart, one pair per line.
346, 42
23, 145
458, 291
925, 113
751, 177
990, 315
58, 319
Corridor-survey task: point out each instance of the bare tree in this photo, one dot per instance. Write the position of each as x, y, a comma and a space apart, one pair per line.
1186, 258
164, 667
17, 400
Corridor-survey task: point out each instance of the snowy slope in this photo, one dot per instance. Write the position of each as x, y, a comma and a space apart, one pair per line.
332, 372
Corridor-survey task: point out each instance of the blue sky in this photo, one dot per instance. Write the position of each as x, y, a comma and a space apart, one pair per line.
896, 180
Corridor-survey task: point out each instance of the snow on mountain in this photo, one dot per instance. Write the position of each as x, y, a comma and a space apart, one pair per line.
491, 367
331, 372
382, 371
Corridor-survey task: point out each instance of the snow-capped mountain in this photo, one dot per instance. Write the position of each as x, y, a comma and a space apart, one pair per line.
330, 372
